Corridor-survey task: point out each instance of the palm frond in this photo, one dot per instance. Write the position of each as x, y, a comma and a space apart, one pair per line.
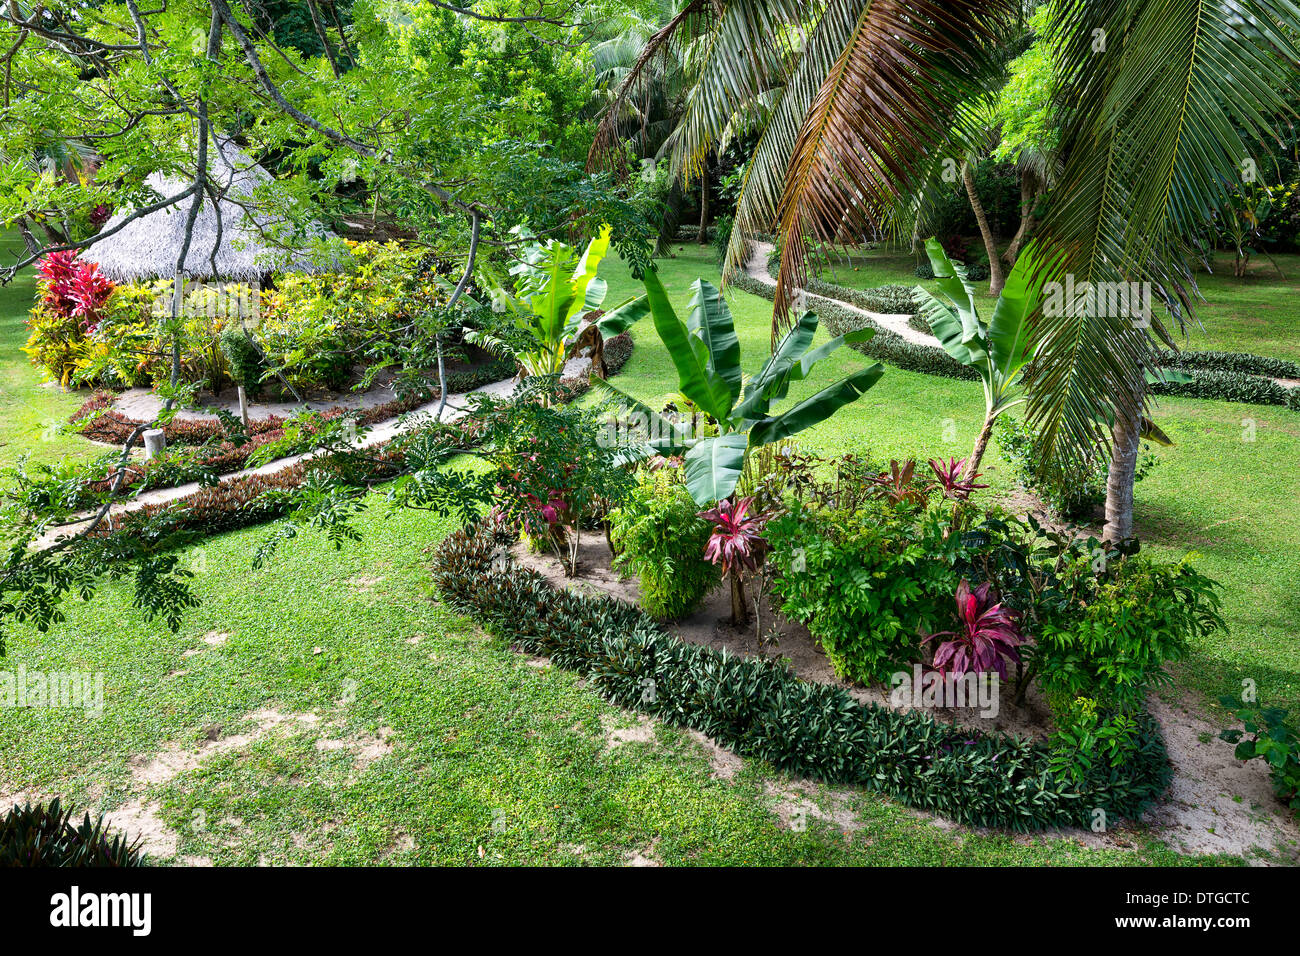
1156, 96
880, 117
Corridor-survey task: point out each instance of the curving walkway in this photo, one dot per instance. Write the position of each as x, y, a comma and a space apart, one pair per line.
756, 268
457, 407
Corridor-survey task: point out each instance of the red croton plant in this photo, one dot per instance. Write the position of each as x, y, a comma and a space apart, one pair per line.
989, 635
736, 545
72, 289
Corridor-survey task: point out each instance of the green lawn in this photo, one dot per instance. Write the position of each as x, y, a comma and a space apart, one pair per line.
32, 414
490, 751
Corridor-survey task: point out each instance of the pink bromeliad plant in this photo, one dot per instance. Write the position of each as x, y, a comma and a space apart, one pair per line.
989, 635
736, 545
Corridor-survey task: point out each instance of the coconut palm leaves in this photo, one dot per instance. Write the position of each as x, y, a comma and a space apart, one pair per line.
1156, 96
706, 353
879, 122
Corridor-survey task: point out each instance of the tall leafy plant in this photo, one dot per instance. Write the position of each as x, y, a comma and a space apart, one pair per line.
553, 290
998, 349
706, 353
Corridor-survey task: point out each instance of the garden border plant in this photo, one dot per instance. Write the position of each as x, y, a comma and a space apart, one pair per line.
1240, 377
757, 708
259, 498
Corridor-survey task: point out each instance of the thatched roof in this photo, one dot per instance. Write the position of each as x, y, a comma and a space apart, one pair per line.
147, 248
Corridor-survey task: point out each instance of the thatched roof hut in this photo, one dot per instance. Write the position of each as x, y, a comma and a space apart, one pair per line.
147, 248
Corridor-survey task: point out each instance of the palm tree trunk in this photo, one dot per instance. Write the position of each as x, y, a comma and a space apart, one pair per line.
996, 278
1030, 191
1126, 439
704, 204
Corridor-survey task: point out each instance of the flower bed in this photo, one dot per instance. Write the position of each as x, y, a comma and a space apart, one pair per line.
255, 499
759, 710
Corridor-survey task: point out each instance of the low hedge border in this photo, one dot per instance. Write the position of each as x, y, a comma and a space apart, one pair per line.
887, 299
884, 346
258, 498
112, 427
759, 709
1221, 376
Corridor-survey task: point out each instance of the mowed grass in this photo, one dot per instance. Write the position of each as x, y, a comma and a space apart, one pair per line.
32, 414
494, 759
409, 737
1256, 313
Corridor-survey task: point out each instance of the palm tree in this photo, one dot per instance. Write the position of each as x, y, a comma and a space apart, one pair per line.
1158, 100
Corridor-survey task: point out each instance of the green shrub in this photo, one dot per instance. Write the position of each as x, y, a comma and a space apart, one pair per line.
46, 835
865, 583
1073, 493
243, 360
1272, 741
759, 709
660, 538
1142, 614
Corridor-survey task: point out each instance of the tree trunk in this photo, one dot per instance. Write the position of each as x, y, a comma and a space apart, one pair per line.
739, 609
343, 36
1126, 438
996, 279
1030, 191
319, 25
977, 453
33, 246
704, 205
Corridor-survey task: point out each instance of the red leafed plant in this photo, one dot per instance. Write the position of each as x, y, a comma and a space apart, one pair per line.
988, 638
56, 271
736, 544
898, 485
89, 290
737, 535
951, 481
72, 289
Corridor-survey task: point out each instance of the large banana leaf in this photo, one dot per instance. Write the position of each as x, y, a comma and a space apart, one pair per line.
960, 292
588, 289
697, 378
817, 408
793, 361
1008, 331
710, 321
759, 394
623, 316
946, 326
713, 467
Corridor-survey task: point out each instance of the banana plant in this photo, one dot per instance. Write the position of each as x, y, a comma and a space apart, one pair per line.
553, 290
706, 353
998, 349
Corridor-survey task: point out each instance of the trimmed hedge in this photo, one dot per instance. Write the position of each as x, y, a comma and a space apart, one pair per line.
888, 299
884, 346
759, 709
259, 498
1221, 376
1242, 362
